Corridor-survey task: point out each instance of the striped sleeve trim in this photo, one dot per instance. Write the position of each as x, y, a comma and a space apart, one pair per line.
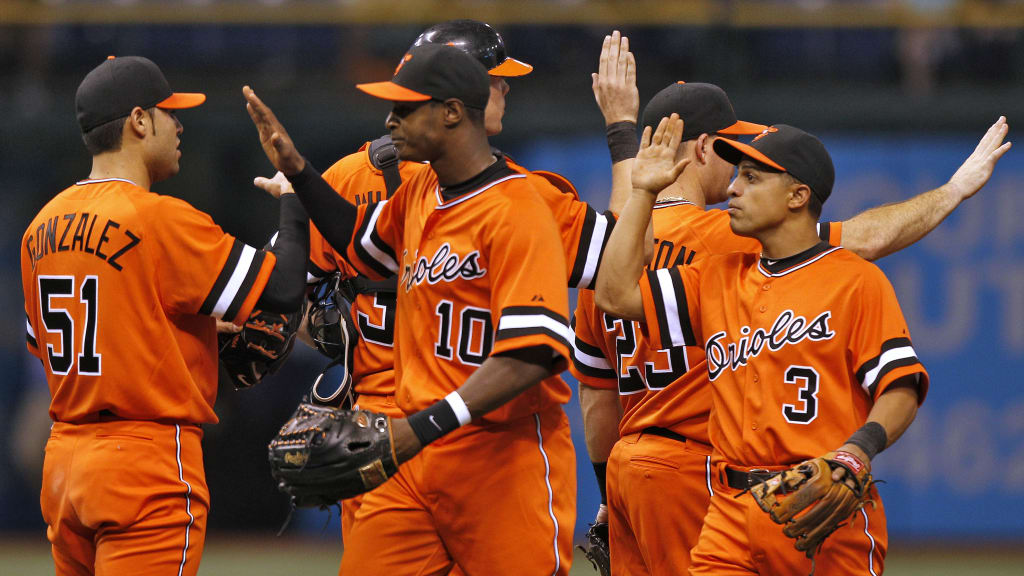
30, 333
589, 360
669, 298
235, 281
517, 321
597, 228
314, 272
369, 246
896, 353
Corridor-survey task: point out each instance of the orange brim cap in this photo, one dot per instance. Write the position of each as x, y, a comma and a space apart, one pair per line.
743, 128
510, 68
390, 91
179, 100
748, 150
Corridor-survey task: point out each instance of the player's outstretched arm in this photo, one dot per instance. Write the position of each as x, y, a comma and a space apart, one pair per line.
880, 231
499, 379
618, 291
615, 90
334, 216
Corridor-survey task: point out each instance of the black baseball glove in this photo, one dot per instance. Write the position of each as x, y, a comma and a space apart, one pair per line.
595, 547
260, 348
323, 455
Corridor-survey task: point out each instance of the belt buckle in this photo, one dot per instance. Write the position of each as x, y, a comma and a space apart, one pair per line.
756, 476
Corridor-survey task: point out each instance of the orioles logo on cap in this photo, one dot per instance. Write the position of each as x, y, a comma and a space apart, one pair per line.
401, 63
765, 133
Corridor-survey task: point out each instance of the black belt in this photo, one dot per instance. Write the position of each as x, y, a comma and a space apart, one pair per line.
741, 480
664, 433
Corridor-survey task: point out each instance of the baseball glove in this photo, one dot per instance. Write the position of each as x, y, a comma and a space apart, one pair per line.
595, 548
809, 503
323, 455
260, 348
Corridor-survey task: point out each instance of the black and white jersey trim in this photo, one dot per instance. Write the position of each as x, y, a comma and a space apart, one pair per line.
597, 228
519, 321
234, 282
670, 304
896, 353
369, 246
824, 231
30, 333
590, 360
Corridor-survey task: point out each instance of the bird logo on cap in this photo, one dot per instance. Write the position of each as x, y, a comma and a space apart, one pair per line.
765, 133
401, 63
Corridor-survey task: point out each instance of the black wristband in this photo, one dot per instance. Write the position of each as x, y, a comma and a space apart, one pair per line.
435, 421
871, 438
601, 472
622, 141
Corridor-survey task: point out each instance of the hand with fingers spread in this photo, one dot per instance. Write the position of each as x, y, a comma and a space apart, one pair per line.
277, 145
977, 169
656, 166
614, 83
276, 186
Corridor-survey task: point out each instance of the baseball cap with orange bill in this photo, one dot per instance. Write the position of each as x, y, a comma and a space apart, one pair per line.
704, 108
115, 87
787, 149
435, 72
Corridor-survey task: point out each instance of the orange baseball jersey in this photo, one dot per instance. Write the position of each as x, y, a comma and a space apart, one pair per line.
797, 349
476, 276
357, 180
613, 353
122, 287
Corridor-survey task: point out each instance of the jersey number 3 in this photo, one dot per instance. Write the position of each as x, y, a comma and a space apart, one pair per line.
60, 322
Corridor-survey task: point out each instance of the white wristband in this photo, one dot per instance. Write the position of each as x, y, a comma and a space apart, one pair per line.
459, 407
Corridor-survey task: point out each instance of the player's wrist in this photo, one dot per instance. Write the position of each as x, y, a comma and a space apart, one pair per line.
623, 143
443, 417
867, 441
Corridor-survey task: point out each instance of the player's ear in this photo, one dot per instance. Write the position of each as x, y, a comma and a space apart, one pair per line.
702, 148
799, 195
454, 111
139, 122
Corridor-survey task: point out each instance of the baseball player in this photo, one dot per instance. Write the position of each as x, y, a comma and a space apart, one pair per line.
123, 289
481, 328
807, 351
664, 393
583, 230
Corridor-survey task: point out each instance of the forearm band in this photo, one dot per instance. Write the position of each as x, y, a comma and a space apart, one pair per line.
601, 472
622, 141
871, 438
443, 417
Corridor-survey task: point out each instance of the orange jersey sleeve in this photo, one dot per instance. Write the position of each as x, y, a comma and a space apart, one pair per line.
880, 340
121, 290
584, 232
592, 363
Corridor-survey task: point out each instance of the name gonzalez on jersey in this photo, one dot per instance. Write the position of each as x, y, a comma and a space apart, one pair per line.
788, 328
50, 240
444, 266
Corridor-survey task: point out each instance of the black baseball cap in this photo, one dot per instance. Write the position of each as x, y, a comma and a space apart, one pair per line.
112, 89
786, 149
704, 108
435, 72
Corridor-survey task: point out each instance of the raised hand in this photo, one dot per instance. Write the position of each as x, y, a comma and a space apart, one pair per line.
656, 167
276, 186
614, 83
278, 147
977, 169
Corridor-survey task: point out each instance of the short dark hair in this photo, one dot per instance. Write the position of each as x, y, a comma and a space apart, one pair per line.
104, 138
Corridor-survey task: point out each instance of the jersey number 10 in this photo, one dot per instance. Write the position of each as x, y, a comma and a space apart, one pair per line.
59, 321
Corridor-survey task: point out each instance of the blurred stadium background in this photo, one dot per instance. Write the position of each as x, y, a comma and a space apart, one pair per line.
899, 90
